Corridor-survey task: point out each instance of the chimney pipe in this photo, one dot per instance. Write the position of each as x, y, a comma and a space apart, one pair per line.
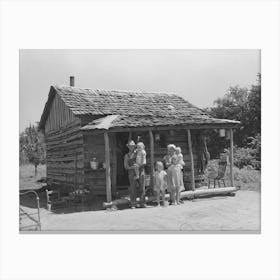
72, 81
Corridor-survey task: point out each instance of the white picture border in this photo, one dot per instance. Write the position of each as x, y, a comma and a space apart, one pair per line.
145, 24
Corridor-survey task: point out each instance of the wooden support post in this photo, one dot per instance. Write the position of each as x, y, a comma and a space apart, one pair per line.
130, 136
231, 157
108, 172
152, 152
75, 179
113, 142
191, 157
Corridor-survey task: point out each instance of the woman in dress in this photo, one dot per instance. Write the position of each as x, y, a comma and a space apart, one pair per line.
181, 163
171, 148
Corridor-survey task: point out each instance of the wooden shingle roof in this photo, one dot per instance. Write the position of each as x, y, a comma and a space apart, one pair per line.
131, 108
104, 102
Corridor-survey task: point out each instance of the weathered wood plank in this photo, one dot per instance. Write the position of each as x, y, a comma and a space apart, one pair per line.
57, 116
64, 158
62, 165
65, 135
107, 161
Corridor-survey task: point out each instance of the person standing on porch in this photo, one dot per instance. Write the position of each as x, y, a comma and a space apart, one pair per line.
129, 161
171, 148
129, 165
141, 165
174, 180
140, 158
181, 164
160, 185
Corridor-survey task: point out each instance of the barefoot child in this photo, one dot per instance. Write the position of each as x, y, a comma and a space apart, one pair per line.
160, 184
140, 158
174, 175
181, 163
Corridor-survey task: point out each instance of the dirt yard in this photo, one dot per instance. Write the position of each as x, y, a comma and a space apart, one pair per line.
240, 213
222, 213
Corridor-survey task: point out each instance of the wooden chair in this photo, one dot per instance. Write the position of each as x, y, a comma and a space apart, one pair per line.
54, 199
220, 176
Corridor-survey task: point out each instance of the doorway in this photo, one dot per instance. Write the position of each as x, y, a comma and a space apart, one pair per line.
121, 150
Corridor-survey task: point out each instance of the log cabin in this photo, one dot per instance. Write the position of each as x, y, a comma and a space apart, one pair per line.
86, 132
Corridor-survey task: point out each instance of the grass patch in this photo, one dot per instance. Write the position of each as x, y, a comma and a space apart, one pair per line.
27, 178
247, 177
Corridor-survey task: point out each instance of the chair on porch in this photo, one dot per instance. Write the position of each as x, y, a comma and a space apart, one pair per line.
219, 176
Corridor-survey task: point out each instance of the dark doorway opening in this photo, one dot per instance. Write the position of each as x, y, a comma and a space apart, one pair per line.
121, 150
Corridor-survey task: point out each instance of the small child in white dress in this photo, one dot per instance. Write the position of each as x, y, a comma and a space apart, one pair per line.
140, 158
181, 163
174, 180
160, 183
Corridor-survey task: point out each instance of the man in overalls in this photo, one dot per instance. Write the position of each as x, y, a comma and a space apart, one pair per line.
129, 161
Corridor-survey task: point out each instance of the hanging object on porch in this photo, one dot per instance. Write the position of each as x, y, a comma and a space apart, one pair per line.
94, 164
227, 134
222, 132
157, 137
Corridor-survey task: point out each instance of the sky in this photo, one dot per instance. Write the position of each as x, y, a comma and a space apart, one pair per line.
199, 76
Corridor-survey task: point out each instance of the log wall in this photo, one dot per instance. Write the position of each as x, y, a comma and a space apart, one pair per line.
65, 157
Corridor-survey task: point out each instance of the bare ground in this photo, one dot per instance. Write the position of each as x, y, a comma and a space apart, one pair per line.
238, 213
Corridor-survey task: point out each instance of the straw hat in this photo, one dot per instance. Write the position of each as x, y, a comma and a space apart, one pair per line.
130, 143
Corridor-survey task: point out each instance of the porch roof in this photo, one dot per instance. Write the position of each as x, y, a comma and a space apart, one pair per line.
111, 122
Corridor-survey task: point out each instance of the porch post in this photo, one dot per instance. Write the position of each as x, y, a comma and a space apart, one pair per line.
108, 171
75, 164
130, 136
191, 158
152, 157
231, 157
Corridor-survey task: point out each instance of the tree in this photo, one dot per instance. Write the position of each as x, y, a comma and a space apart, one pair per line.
32, 147
242, 104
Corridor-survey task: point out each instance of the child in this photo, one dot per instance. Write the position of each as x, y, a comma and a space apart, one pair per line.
181, 163
178, 153
160, 184
140, 158
174, 180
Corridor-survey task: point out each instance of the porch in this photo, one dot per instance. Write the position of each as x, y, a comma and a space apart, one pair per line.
153, 135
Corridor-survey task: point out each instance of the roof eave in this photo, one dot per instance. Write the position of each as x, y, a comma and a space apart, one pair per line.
157, 128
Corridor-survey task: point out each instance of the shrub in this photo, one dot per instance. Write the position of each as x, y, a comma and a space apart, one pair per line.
246, 157
247, 177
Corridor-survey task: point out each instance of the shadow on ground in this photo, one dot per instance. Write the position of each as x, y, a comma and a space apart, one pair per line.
29, 200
